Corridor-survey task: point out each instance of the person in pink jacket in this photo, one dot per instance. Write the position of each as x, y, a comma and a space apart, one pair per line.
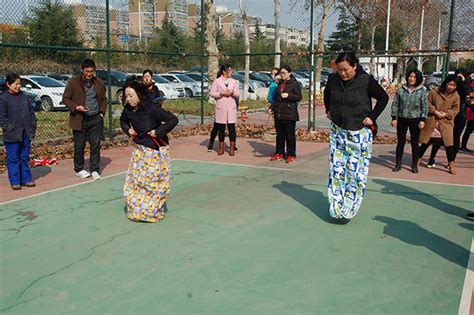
225, 91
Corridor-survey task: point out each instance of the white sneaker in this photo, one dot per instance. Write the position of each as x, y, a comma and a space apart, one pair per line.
83, 174
95, 175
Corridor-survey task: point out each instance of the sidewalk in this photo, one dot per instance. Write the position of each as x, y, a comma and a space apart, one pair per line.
312, 157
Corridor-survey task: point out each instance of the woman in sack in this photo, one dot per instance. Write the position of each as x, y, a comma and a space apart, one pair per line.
147, 183
443, 106
225, 91
409, 111
18, 121
348, 101
285, 110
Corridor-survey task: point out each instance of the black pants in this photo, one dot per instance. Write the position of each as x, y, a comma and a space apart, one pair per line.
459, 123
92, 127
449, 150
403, 124
221, 130
286, 133
467, 133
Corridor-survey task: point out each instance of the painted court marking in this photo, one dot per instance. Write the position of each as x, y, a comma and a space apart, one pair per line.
465, 304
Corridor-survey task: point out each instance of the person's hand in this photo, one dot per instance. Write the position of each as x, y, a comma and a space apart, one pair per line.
367, 122
152, 133
328, 115
394, 123
81, 108
132, 132
421, 125
226, 92
284, 95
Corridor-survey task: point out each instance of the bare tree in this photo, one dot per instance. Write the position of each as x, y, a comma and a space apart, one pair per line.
211, 34
326, 7
277, 35
247, 50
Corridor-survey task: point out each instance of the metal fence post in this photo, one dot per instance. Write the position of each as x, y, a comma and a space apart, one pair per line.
109, 79
311, 76
450, 41
201, 57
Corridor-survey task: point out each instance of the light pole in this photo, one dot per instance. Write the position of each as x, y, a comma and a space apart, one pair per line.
387, 36
438, 65
423, 4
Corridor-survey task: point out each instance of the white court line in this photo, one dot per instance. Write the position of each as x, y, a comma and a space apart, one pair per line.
465, 304
306, 172
61, 188
230, 164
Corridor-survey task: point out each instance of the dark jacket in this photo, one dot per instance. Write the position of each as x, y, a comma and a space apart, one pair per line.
350, 102
146, 118
287, 108
75, 95
16, 115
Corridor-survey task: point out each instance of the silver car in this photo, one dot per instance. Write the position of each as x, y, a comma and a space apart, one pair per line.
191, 87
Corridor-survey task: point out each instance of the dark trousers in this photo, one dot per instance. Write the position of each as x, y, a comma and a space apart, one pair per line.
449, 150
467, 133
286, 134
18, 155
232, 132
92, 127
459, 123
403, 125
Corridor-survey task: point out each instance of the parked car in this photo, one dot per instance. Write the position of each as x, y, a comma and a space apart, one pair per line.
257, 77
304, 82
165, 87
117, 81
198, 78
34, 99
60, 77
191, 87
49, 90
253, 84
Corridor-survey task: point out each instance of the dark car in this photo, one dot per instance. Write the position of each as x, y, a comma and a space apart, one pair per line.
258, 77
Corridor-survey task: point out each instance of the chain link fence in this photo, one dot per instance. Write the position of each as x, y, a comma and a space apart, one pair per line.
45, 42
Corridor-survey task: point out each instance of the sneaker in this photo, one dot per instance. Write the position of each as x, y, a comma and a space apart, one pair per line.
276, 157
290, 159
465, 149
209, 149
83, 174
95, 175
16, 187
430, 164
30, 184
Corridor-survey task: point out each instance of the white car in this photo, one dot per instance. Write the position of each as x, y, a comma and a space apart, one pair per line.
49, 90
304, 82
191, 87
169, 91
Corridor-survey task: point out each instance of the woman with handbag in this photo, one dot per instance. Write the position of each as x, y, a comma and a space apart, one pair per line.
285, 110
147, 184
348, 101
443, 106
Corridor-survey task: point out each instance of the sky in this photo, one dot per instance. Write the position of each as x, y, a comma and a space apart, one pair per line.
13, 11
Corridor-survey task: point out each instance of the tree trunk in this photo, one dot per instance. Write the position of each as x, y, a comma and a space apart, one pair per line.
372, 64
277, 35
322, 31
247, 51
211, 45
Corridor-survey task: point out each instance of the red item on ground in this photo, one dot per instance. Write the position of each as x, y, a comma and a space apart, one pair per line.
45, 162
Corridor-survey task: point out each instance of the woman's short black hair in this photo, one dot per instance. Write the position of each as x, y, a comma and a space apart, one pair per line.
223, 68
287, 68
10, 79
419, 76
142, 92
350, 57
449, 78
147, 71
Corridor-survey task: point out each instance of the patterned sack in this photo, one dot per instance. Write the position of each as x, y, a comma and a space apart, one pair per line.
147, 184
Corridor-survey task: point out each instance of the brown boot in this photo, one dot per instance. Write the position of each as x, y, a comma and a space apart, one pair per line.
452, 168
221, 148
232, 148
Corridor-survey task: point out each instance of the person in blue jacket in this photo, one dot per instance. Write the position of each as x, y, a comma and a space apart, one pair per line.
18, 121
272, 89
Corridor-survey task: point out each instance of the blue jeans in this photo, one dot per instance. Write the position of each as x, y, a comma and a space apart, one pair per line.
18, 155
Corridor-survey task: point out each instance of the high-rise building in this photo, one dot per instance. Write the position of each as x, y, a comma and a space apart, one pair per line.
141, 21
176, 11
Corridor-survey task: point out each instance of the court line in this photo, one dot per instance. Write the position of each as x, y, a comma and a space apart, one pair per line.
230, 164
306, 172
61, 188
465, 304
